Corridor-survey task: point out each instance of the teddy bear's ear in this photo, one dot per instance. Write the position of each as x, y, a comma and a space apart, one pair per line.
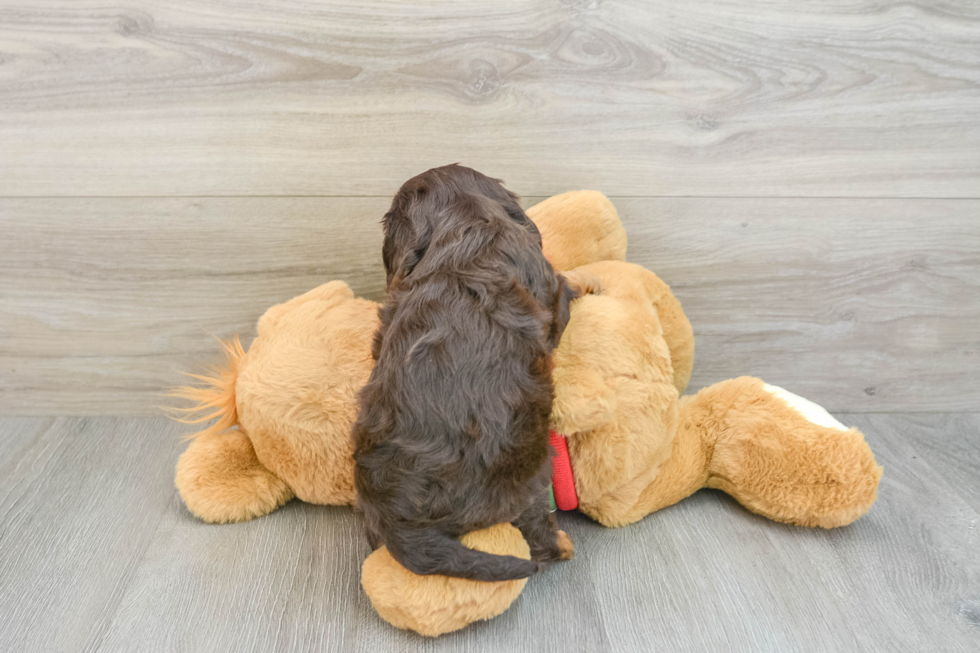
579, 228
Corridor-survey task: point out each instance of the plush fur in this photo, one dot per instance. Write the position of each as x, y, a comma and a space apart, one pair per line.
293, 397
774, 459
616, 398
441, 604
636, 444
221, 478
578, 228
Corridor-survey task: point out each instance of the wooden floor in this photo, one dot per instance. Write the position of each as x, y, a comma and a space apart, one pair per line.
804, 173
97, 553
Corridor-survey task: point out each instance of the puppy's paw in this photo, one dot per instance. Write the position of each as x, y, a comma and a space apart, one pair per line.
585, 283
565, 547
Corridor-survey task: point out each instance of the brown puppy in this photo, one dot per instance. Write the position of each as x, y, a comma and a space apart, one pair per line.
452, 434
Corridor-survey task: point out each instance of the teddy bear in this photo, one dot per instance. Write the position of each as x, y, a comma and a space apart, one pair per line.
283, 410
627, 441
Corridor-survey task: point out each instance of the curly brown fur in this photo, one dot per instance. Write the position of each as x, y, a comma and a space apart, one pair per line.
452, 434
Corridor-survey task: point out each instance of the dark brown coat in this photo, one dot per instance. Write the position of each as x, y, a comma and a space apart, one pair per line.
452, 434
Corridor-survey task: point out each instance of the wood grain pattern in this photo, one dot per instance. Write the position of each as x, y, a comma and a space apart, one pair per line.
286, 583
921, 507
637, 97
955, 453
859, 305
123, 295
291, 582
864, 305
904, 576
80, 500
98, 554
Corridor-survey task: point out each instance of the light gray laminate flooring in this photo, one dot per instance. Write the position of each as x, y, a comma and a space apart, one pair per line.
97, 553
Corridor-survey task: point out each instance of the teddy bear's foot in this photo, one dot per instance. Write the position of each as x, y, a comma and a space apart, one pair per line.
787, 458
433, 605
221, 480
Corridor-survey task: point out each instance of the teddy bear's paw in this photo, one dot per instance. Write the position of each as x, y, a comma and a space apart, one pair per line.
221, 480
565, 546
787, 458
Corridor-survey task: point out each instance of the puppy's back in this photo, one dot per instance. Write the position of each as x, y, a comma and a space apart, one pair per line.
460, 393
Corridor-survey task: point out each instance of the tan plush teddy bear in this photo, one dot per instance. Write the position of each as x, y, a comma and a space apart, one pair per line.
634, 444
284, 409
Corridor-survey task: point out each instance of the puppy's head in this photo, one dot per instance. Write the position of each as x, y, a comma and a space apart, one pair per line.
431, 200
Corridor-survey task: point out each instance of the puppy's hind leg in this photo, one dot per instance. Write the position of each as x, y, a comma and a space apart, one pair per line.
540, 528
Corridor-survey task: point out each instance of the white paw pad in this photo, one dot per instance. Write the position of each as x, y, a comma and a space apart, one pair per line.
810, 411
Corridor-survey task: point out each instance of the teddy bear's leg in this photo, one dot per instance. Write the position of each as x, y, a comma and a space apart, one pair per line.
784, 457
678, 477
433, 605
220, 479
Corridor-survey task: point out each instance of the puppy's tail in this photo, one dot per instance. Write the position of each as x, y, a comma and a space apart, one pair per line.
426, 551
216, 398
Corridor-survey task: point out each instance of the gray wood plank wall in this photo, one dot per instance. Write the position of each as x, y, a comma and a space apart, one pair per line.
806, 175
637, 97
861, 305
